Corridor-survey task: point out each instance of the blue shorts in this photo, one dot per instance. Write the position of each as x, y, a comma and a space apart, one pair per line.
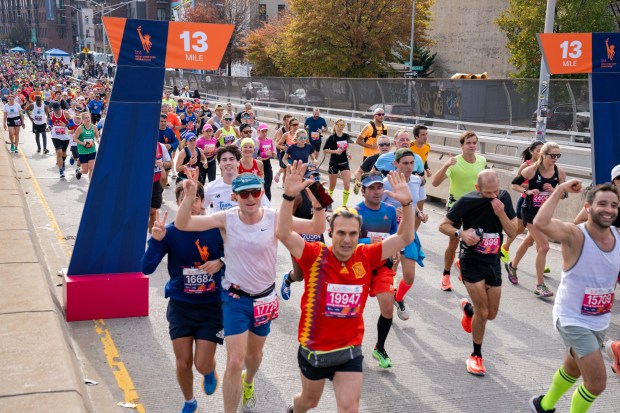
88, 157
201, 321
239, 316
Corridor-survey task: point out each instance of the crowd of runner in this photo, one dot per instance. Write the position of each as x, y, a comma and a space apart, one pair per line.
219, 164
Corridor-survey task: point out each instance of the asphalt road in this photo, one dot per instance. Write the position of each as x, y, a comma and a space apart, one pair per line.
521, 348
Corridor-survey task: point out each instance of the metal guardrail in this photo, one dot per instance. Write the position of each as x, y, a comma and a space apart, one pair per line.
444, 140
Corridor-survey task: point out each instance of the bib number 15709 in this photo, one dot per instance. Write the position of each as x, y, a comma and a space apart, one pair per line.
196, 41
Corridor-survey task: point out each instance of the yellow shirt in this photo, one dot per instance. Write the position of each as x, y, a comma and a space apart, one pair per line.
421, 152
171, 102
368, 139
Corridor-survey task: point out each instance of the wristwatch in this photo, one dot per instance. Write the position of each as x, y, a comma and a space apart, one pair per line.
457, 233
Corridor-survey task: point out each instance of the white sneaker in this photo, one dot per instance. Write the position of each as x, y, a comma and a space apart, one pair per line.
401, 310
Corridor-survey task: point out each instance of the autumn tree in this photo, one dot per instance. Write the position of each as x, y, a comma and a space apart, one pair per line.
265, 48
524, 18
342, 38
236, 12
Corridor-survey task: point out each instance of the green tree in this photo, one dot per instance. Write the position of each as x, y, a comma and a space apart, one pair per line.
265, 48
343, 38
422, 56
524, 18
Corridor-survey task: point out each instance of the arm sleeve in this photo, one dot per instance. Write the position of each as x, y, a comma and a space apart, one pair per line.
155, 252
507, 200
518, 180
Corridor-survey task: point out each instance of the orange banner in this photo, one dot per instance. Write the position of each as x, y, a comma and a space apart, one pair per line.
567, 53
197, 45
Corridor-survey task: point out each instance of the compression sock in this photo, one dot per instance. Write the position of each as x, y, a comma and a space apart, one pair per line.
330, 192
561, 383
383, 328
345, 197
477, 350
402, 290
446, 272
582, 400
288, 280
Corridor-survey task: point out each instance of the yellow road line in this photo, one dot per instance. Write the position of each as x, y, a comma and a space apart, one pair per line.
118, 367
123, 380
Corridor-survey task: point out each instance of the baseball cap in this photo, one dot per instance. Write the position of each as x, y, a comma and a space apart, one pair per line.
247, 181
378, 110
219, 106
244, 127
246, 141
615, 172
311, 170
263, 126
371, 179
207, 126
189, 135
402, 152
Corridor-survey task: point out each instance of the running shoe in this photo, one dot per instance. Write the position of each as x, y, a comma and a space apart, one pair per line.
512, 273
285, 289
209, 383
38, 150
382, 357
62, 172
12, 148
457, 264
78, 174
504, 254
46, 151
613, 351
542, 291
356, 188
71, 161
190, 407
445, 283
401, 309
547, 269
16, 150
289, 409
276, 178
536, 407
249, 397
465, 319
475, 366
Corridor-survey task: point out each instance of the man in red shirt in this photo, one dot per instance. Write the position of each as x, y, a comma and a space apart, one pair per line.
337, 281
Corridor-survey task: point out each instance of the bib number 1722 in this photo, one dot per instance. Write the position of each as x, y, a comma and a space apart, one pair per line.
199, 43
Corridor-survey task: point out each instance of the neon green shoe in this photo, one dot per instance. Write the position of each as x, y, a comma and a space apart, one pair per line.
249, 397
382, 357
504, 254
547, 269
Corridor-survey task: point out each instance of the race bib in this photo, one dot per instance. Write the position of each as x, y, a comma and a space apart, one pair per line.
60, 130
266, 309
209, 149
311, 237
190, 126
383, 235
597, 301
539, 199
343, 145
489, 244
229, 139
38, 118
18, 122
196, 281
264, 150
315, 135
343, 301
89, 141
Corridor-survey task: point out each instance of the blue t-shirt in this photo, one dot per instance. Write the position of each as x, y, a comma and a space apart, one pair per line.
313, 125
95, 107
167, 136
186, 251
381, 221
385, 163
295, 153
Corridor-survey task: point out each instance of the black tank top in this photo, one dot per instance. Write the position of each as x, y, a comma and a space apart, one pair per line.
538, 182
305, 211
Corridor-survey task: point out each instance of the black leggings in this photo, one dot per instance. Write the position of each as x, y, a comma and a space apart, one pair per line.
268, 177
40, 130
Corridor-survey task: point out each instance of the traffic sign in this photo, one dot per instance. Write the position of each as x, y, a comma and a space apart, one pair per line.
417, 68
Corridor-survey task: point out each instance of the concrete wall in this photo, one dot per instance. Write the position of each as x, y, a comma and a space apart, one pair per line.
468, 41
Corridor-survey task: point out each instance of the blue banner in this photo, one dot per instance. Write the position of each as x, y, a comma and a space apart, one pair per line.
605, 112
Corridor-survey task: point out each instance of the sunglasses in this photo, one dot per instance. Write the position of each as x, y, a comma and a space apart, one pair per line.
379, 114
246, 194
385, 145
555, 155
294, 124
247, 132
228, 119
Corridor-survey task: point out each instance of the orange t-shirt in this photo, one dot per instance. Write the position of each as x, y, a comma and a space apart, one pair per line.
174, 120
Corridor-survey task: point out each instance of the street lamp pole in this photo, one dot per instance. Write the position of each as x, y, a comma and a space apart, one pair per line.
543, 83
412, 28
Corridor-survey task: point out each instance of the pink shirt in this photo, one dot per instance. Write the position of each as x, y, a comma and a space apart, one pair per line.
207, 145
265, 145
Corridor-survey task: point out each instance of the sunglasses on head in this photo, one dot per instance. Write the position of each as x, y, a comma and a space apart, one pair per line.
246, 194
555, 155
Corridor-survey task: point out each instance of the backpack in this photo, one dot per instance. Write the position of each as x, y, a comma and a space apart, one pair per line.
374, 131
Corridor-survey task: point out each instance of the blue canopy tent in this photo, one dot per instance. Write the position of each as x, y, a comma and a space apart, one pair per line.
58, 54
17, 50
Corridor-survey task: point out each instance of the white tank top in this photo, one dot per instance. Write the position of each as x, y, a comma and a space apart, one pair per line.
12, 111
250, 252
586, 290
38, 114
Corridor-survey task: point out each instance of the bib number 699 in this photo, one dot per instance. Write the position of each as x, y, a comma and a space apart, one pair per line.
200, 41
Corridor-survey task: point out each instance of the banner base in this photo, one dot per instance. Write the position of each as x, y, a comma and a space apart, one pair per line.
88, 297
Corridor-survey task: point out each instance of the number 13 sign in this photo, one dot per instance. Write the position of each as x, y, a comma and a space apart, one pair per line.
567, 52
196, 45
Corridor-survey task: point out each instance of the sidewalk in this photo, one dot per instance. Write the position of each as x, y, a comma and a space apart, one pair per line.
38, 365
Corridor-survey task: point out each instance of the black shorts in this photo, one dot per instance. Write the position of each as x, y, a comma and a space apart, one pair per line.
474, 271
14, 122
316, 144
94, 118
201, 321
60, 144
84, 158
319, 373
528, 215
519, 206
39, 128
157, 195
334, 168
280, 157
74, 153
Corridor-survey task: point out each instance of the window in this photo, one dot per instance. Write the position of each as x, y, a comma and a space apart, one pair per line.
281, 9
161, 14
262, 12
